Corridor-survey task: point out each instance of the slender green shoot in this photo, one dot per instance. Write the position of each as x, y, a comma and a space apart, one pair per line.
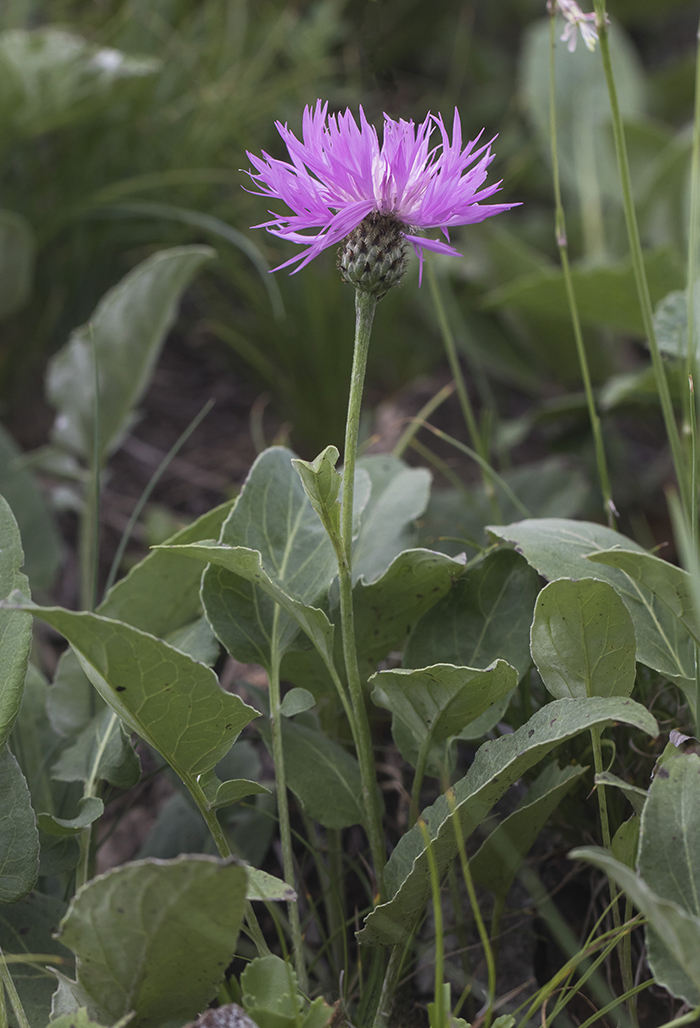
365, 305
637, 257
436, 1010
90, 519
562, 244
8, 986
146, 494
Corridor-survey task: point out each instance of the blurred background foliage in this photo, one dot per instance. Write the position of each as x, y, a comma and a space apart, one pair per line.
124, 126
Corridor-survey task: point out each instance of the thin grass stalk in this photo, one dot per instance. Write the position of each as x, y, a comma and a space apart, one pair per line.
693, 243
562, 244
631, 994
439, 1018
89, 542
8, 985
423, 414
146, 494
640, 275
478, 919
283, 804
365, 305
464, 401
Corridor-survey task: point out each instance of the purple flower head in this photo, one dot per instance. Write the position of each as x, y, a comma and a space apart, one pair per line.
338, 174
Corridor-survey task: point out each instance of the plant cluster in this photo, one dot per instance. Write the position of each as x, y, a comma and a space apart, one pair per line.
448, 675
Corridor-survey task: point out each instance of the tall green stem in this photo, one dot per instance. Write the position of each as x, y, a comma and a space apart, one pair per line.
365, 305
283, 804
12, 994
89, 533
640, 276
562, 243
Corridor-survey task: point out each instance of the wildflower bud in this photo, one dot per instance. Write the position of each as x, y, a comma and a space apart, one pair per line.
373, 257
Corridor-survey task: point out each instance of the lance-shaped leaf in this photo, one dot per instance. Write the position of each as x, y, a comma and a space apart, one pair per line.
669, 853
497, 765
583, 640
124, 335
15, 629
437, 702
220, 794
676, 966
167, 698
28, 926
399, 495
89, 809
498, 859
288, 560
155, 936
634, 794
322, 484
558, 548
19, 840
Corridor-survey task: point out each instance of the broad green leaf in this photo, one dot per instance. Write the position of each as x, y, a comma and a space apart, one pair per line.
170, 700
263, 886
248, 564
606, 295
159, 595
57, 854
634, 794
399, 495
56, 77
670, 586
155, 936
486, 615
124, 335
558, 548
15, 629
271, 997
32, 739
669, 854
439, 701
386, 609
671, 323
274, 537
28, 926
497, 765
296, 701
498, 859
17, 252
19, 841
323, 776
196, 640
76, 1019
677, 966
583, 640
89, 809
40, 539
102, 752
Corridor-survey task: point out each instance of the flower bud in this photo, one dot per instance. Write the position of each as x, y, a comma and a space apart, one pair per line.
373, 256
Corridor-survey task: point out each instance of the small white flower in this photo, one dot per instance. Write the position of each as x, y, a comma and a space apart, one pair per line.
576, 19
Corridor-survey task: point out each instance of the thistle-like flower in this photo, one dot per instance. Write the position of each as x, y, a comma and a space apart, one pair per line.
576, 19
341, 183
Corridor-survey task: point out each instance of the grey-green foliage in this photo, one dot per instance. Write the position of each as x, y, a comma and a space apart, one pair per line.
497, 765
155, 937
15, 630
123, 337
17, 246
19, 840
583, 640
271, 997
671, 323
669, 855
558, 548
159, 595
278, 536
40, 539
496, 862
27, 926
102, 752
